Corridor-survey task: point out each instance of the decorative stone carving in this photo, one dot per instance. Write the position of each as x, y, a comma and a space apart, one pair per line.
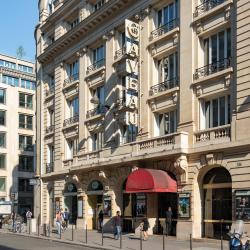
228, 81
152, 105
142, 14
175, 97
62, 64
199, 27
153, 50
105, 37
227, 14
181, 164
175, 39
102, 174
211, 159
199, 90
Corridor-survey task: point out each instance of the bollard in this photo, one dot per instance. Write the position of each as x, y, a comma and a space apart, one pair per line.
121, 240
86, 233
29, 224
72, 232
102, 236
163, 242
141, 240
49, 230
221, 236
60, 230
38, 229
191, 247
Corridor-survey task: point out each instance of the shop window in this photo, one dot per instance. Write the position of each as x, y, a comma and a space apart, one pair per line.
2, 117
215, 112
2, 184
167, 123
2, 161
2, 96
26, 163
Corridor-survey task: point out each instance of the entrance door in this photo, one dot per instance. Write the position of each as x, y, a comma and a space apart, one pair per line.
217, 213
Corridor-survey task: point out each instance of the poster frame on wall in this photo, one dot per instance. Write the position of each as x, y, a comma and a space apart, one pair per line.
187, 197
242, 204
80, 207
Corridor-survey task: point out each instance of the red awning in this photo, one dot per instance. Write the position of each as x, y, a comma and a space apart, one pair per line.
150, 181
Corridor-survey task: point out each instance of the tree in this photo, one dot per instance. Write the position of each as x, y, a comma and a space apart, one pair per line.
20, 53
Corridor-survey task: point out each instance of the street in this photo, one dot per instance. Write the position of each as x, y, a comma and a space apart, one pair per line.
17, 242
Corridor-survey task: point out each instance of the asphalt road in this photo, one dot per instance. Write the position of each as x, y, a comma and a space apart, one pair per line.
17, 242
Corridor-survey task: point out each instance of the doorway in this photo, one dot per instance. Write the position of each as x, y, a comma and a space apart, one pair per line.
70, 202
217, 200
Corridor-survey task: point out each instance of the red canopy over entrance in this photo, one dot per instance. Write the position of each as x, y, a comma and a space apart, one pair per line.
150, 181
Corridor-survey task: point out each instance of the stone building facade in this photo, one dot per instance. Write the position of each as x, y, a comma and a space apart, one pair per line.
128, 85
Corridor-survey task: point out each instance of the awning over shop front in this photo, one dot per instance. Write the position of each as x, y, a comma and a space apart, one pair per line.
150, 181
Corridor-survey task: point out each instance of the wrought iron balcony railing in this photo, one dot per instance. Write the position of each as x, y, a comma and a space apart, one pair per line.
50, 129
71, 79
164, 28
26, 147
96, 111
121, 52
163, 86
49, 167
212, 68
206, 6
71, 120
96, 65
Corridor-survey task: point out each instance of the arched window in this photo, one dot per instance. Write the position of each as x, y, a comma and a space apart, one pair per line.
95, 186
70, 188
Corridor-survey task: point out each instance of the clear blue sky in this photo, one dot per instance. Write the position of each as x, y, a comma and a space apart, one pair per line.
18, 19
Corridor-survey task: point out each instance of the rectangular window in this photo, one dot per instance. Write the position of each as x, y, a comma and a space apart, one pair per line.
129, 133
26, 163
2, 140
167, 123
27, 84
24, 68
2, 96
7, 64
2, 184
25, 143
13, 81
217, 112
74, 107
167, 14
97, 141
72, 149
25, 100
2, 161
2, 117
24, 186
72, 69
98, 54
25, 121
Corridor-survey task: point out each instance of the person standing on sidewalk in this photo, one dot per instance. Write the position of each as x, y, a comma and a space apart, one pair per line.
145, 226
169, 215
118, 225
100, 219
58, 221
28, 218
66, 217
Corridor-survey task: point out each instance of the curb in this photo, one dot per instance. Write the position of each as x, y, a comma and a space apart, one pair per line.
58, 240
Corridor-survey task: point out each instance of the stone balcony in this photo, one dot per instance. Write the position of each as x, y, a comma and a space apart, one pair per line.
220, 134
49, 130
49, 167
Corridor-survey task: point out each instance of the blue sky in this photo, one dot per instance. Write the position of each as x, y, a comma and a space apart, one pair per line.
18, 19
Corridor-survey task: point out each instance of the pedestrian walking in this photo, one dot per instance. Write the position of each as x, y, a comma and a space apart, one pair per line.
66, 217
28, 219
145, 226
117, 225
100, 219
58, 222
169, 215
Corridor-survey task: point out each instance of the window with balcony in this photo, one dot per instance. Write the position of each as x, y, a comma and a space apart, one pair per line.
25, 143
2, 117
98, 100
2, 139
51, 153
217, 54
74, 107
2, 161
128, 133
215, 112
24, 185
71, 148
2, 184
166, 123
97, 58
121, 43
97, 141
25, 121
2, 96
26, 163
25, 101
206, 5
166, 19
72, 71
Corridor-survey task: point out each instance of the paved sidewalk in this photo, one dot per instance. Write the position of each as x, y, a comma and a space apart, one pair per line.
153, 243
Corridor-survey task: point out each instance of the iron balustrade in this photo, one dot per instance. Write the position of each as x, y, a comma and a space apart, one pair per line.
163, 86
121, 52
206, 6
71, 79
49, 167
50, 129
212, 68
96, 65
26, 147
96, 111
164, 28
71, 120
50, 91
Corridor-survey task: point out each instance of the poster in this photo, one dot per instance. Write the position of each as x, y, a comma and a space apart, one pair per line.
57, 204
140, 205
242, 204
184, 205
80, 208
107, 205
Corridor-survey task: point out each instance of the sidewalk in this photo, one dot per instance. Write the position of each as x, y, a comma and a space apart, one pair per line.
154, 243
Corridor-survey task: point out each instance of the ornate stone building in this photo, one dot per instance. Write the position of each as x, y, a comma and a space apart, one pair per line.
144, 105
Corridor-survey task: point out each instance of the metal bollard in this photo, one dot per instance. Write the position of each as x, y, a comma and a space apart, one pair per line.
38, 229
191, 245
60, 230
29, 225
163, 242
102, 236
141, 240
72, 232
86, 233
121, 240
221, 236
